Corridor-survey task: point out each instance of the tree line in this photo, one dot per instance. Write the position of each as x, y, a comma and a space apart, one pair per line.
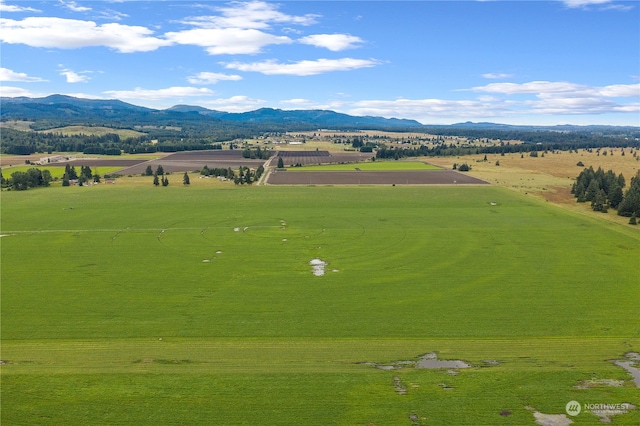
604, 190
21, 181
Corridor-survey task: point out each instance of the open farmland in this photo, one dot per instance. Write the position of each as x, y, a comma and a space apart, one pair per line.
203, 307
196, 160
391, 177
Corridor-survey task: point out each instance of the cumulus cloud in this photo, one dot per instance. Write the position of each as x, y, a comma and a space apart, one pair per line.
9, 75
158, 94
303, 68
74, 77
72, 34
230, 41
333, 42
212, 78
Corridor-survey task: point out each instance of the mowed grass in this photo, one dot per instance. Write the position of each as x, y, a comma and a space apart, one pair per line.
377, 166
142, 305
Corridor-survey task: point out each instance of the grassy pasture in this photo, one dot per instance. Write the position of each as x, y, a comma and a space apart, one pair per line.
549, 177
372, 166
250, 336
57, 171
94, 131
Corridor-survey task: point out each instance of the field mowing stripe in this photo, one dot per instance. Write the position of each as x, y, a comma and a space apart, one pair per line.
49, 231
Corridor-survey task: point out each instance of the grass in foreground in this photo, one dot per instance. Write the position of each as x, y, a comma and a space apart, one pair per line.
222, 277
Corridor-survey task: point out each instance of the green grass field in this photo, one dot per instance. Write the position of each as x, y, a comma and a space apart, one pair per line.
57, 171
372, 166
136, 305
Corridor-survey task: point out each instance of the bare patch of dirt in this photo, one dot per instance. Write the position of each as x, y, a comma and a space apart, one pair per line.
552, 419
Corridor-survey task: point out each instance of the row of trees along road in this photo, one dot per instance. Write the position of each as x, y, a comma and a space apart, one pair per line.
604, 190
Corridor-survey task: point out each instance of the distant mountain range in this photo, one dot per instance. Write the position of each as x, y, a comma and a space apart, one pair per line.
60, 107
68, 109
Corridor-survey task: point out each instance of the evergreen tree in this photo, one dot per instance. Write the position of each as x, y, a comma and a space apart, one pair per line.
156, 181
615, 196
592, 190
599, 201
148, 171
280, 163
185, 179
165, 181
160, 170
631, 202
633, 220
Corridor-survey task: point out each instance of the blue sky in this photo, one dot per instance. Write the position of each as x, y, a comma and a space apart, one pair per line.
438, 62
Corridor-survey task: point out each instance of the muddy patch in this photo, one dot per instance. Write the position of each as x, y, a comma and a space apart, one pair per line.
317, 267
630, 364
429, 360
552, 419
601, 383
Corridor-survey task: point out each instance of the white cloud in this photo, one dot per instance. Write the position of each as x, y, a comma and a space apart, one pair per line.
9, 75
299, 103
537, 98
74, 77
212, 78
13, 8
230, 41
583, 3
496, 75
72, 34
158, 94
303, 68
425, 110
333, 42
73, 6
250, 15
549, 89
598, 4
14, 92
234, 104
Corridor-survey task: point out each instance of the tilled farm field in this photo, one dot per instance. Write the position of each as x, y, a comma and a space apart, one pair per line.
413, 177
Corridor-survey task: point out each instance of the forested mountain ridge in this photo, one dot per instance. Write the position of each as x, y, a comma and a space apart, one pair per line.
66, 108
187, 127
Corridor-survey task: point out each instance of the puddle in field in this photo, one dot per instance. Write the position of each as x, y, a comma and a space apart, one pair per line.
429, 360
629, 364
317, 267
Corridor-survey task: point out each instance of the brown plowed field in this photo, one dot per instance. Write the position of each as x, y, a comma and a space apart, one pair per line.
425, 177
291, 158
